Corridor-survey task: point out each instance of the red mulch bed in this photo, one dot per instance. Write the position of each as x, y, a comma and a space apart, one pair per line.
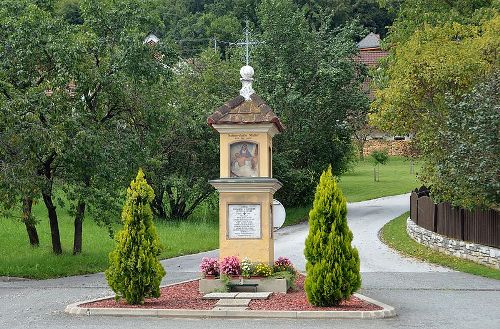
297, 301
179, 296
186, 296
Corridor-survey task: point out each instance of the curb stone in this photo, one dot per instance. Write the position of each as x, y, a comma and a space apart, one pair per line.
387, 311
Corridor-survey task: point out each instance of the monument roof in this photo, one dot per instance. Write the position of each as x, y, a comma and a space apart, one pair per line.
242, 111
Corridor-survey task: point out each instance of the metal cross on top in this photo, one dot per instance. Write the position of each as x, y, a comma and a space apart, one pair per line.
247, 43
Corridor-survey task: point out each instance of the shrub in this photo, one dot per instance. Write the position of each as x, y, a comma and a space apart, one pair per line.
209, 266
230, 266
134, 272
262, 269
332, 263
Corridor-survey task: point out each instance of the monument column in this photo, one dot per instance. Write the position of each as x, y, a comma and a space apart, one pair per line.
246, 125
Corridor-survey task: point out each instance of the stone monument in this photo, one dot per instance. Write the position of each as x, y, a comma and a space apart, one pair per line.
246, 125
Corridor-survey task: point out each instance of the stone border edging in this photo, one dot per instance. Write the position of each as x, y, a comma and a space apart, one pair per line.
478, 253
387, 311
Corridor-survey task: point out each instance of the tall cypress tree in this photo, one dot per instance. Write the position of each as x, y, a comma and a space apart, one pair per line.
134, 272
332, 263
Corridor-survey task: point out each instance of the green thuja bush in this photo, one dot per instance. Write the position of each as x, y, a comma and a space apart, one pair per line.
332, 263
134, 272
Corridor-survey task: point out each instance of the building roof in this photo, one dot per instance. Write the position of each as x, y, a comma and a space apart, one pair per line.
241, 111
372, 40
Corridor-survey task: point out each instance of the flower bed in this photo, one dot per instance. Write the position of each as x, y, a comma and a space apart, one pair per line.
186, 296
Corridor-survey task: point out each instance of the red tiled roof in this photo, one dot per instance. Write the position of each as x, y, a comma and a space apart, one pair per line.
240, 111
370, 57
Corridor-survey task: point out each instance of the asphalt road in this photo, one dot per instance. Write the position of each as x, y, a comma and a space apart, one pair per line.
424, 296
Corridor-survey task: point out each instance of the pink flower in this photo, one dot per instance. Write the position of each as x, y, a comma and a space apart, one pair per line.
230, 266
209, 266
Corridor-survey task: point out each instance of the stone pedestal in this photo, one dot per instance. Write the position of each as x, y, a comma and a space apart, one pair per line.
262, 285
245, 217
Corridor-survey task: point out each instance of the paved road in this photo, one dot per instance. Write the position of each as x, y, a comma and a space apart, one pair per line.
425, 296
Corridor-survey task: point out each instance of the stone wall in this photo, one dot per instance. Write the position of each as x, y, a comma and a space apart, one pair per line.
484, 255
394, 148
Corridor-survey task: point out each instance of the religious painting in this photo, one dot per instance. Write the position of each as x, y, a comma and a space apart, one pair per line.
244, 157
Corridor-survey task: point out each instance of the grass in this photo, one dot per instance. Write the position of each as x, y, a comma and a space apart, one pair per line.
395, 178
394, 234
358, 184
18, 259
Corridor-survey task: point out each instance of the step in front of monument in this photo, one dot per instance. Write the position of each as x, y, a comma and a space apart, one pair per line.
217, 308
233, 303
237, 295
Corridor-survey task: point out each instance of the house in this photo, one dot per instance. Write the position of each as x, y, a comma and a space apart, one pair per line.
370, 138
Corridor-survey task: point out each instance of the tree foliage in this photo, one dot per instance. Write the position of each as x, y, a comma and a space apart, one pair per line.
186, 155
439, 51
332, 263
135, 272
69, 99
310, 80
469, 173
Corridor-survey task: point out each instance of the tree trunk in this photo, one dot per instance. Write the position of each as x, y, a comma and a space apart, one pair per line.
178, 210
29, 222
77, 240
54, 225
158, 207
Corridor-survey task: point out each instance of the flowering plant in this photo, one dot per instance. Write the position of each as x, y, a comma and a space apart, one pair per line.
262, 269
209, 266
246, 267
230, 266
283, 264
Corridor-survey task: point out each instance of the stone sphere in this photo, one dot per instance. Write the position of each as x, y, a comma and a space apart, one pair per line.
246, 72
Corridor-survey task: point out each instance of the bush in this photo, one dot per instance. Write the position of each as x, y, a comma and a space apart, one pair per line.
332, 263
134, 272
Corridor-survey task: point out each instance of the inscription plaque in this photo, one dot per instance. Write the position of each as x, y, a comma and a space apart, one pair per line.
244, 221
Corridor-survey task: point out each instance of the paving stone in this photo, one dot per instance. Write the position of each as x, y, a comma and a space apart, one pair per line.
233, 302
217, 308
253, 295
220, 295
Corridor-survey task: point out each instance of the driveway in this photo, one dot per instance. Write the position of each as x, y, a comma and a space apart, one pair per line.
425, 296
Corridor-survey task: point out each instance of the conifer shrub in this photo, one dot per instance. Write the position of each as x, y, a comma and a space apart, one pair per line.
332, 263
134, 272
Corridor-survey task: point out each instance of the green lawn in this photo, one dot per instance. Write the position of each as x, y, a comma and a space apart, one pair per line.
358, 184
17, 258
394, 234
395, 178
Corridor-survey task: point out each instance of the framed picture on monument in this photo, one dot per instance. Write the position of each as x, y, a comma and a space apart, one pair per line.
244, 159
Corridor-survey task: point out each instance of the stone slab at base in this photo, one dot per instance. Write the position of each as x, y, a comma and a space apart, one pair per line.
263, 285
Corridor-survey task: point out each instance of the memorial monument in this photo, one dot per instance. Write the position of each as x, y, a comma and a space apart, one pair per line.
246, 125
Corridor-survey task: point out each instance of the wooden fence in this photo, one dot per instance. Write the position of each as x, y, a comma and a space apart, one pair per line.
478, 226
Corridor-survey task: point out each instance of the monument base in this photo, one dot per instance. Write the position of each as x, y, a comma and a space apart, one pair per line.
244, 285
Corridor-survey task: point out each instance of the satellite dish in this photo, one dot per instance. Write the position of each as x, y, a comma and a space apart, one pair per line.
279, 214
